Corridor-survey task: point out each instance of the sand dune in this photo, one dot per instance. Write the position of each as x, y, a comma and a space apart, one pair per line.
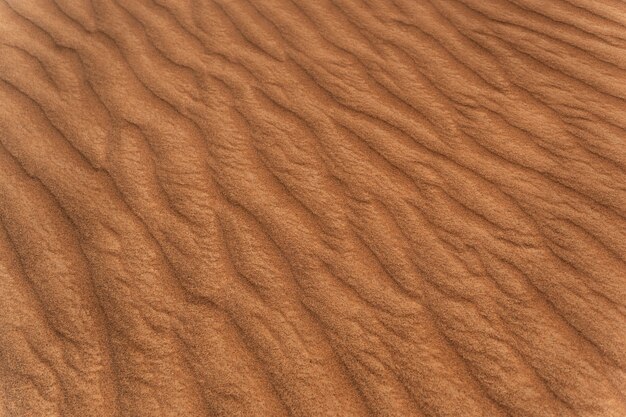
313, 208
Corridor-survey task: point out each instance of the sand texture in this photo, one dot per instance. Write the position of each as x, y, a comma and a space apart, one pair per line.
312, 208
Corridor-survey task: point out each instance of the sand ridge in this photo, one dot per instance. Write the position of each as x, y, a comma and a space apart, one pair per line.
312, 208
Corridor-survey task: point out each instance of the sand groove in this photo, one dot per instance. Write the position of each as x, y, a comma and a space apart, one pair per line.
312, 208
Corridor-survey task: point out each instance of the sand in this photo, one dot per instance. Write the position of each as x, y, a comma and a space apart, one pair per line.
312, 208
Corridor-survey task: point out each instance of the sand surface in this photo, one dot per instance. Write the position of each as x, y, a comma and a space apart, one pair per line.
312, 208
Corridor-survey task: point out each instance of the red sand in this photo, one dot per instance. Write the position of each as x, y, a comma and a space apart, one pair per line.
312, 208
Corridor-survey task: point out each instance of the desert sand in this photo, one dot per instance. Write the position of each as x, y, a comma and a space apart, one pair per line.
312, 208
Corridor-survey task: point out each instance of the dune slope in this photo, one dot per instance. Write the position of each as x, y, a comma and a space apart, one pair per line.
312, 208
